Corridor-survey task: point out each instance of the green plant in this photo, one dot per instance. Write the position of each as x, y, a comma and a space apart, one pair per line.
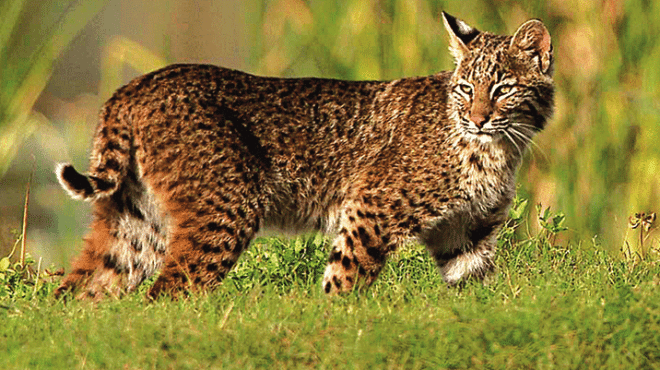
284, 264
25, 67
643, 224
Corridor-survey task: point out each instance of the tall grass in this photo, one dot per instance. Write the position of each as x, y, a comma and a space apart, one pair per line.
29, 46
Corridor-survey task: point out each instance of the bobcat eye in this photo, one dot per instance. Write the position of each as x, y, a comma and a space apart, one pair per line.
465, 88
503, 90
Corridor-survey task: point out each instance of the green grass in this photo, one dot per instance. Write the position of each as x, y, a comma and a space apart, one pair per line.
549, 306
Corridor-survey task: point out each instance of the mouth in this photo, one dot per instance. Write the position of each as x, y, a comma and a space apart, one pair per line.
480, 135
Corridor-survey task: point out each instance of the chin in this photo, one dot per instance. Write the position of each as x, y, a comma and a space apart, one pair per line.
482, 137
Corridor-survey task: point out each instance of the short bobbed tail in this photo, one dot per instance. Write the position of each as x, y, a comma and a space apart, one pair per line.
82, 187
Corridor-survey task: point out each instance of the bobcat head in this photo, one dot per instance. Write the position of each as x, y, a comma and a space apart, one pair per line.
501, 89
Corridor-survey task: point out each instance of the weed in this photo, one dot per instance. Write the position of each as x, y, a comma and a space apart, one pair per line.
643, 224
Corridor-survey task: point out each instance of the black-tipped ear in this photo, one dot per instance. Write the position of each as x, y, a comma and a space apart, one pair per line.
460, 35
532, 40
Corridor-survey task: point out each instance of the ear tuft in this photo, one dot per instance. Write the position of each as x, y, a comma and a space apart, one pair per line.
533, 40
460, 35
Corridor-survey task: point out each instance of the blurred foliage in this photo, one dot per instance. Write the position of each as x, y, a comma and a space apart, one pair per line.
29, 46
596, 162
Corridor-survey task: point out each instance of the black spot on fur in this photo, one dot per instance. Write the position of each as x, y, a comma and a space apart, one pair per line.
215, 227
346, 262
112, 145
204, 125
364, 236
112, 164
375, 253
328, 287
349, 242
226, 263
211, 267
385, 238
110, 262
238, 247
337, 282
474, 160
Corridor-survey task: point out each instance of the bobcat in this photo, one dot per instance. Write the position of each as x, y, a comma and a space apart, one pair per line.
191, 161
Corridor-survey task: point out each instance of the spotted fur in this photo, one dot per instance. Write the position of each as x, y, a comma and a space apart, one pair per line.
191, 161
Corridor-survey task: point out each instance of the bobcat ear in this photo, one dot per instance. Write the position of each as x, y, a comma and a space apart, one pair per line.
460, 35
533, 40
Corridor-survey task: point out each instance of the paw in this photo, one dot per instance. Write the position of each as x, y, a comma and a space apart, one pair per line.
467, 266
337, 279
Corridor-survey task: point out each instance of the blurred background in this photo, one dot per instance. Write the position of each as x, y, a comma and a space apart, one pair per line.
597, 162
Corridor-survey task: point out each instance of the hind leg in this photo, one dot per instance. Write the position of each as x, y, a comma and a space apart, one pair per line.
99, 270
92, 273
209, 236
127, 243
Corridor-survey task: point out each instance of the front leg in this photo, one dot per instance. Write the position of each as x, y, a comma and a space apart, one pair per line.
464, 248
474, 262
475, 259
359, 251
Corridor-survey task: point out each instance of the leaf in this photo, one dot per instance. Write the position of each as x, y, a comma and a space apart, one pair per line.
518, 209
4, 264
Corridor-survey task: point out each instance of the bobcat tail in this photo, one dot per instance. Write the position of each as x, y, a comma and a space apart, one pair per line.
109, 160
83, 187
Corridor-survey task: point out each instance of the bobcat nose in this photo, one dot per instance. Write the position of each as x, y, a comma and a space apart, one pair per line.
479, 118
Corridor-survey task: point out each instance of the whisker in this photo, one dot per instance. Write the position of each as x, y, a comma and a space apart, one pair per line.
526, 132
526, 126
526, 136
512, 140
